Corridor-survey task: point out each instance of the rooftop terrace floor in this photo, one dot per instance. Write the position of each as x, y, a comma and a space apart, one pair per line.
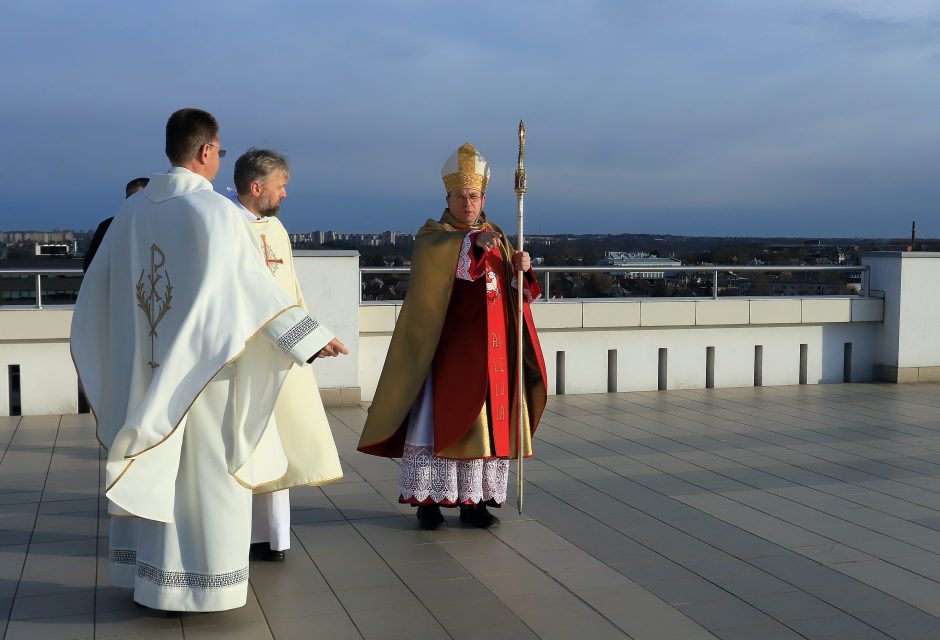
767, 513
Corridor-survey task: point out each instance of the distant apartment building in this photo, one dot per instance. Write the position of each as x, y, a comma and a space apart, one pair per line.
643, 262
386, 238
41, 237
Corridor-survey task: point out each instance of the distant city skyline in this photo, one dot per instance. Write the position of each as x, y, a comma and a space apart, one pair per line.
811, 118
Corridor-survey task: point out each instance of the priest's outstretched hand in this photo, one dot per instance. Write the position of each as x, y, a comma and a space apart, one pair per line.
333, 348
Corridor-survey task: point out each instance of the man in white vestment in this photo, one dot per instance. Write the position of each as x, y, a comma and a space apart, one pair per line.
261, 177
182, 340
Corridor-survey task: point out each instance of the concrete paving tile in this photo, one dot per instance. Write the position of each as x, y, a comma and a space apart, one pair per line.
348, 488
298, 605
561, 615
767, 631
354, 573
837, 628
74, 627
726, 613
905, 622
247, 615
797, 448
60, 604
831, 554
19, 517
685, 590
518, 584
306, 516
113, 599
410, 619
336, 626
48, 573
656, 568
6, 604
371, 598
795, 605
514, 630
237, 631
137, 622
478, 546
12, 558
447, 569
18, 497
642, 614
57, 527
473, 614
363, 505
14, 538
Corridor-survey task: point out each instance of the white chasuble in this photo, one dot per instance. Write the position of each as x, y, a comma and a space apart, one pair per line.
298, 413
182, 340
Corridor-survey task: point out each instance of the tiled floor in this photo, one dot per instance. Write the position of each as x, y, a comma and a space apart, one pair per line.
752, 514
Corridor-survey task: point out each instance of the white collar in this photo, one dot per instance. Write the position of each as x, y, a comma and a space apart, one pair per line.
232, 195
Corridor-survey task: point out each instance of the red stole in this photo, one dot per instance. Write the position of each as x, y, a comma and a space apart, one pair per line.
471, 364
497, 353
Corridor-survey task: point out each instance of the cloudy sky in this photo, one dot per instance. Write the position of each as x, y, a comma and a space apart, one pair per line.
700, 117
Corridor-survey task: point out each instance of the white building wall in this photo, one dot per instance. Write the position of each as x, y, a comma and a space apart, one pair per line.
909, 344
330, 284
586, 330
38, 341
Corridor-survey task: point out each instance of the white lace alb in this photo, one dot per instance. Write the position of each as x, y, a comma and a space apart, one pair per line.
427, 478
463, 258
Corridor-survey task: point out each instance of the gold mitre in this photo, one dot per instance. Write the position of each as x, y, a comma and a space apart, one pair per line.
466, 169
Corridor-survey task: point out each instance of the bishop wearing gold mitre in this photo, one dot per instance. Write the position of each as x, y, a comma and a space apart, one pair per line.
446, 402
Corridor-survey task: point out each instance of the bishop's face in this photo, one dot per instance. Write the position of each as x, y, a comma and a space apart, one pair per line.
272, 192
466, 204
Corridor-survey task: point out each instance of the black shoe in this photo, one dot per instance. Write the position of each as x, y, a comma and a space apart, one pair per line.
478, 516
430, 517
263, 551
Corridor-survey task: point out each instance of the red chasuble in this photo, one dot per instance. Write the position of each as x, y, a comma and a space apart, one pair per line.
472, 365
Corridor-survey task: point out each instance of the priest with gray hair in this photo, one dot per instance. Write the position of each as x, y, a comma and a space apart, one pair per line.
261, 177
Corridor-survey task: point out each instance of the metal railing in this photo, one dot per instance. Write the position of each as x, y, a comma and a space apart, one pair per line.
714, 270
38, 274
545, 273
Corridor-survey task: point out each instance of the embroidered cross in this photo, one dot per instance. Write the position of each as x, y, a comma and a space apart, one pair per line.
270, 258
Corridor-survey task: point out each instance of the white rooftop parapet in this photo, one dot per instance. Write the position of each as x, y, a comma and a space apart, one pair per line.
908, 342
35, 341
595, 346
589, 345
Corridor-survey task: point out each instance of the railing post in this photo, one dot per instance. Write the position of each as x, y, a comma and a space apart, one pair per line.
38, 291
715, 285
866, 281
546, 293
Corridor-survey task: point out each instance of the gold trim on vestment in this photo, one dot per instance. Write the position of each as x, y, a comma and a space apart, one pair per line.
81, 387
120, 475
131, 457
224, 364
312, 483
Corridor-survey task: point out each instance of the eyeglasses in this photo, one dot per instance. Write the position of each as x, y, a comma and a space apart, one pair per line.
221, 150
472, 197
